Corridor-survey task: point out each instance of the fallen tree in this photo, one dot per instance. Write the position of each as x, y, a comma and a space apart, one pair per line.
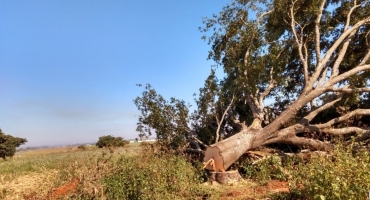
321, 53
310, 59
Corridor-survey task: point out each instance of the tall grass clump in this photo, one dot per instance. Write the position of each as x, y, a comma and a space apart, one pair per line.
152, 176
344, 175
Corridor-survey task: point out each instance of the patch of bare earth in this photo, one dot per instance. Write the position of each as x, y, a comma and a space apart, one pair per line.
12, 188
70, 187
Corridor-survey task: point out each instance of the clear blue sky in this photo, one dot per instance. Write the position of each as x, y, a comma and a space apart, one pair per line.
69, 68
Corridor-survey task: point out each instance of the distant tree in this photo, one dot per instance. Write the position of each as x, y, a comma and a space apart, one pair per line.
111, 141
8, 144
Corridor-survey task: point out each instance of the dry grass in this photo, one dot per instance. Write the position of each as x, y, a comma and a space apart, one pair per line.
44, 173
22, 185
71, 173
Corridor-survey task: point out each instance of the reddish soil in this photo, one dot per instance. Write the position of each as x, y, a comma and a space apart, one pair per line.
63, 190
278, 186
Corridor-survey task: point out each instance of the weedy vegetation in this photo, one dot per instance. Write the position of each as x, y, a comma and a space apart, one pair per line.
140, 172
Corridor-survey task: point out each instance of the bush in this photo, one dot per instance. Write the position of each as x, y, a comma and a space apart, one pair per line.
82, 147
341, 176
110, 141
152, 177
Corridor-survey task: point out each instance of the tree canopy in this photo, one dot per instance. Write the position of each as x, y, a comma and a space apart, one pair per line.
8, 144
294, 72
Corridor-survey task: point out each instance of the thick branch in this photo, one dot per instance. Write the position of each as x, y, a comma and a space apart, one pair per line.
343, 131
305, 142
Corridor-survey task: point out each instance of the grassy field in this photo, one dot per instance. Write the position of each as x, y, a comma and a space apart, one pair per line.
136, 172
43, 170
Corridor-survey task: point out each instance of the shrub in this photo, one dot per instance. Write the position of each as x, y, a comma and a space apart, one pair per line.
152, 177
341, 176
110, 141
82, 147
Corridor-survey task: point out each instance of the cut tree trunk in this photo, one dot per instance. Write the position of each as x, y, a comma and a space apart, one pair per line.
220, 156
226, 152
225, 177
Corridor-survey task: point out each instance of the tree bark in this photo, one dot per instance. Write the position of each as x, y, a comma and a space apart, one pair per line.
225, 177
226, 152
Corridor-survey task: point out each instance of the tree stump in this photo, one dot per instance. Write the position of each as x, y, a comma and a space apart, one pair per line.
225, 177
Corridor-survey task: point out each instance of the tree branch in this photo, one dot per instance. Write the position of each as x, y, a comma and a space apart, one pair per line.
303, 142
331, 50
340, 57
317, 33
342, 118
366, 58
343, 131
336, 79
311, 115
219, 122
350, 90
299, 42
355, 5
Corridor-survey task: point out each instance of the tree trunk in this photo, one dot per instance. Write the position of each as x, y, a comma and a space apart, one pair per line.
220, 156
226, 152
225, 177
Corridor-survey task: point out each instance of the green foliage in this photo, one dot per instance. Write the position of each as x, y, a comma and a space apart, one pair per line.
340, 176
110, 141
168, 119
151, 176
263, 171
8, 144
